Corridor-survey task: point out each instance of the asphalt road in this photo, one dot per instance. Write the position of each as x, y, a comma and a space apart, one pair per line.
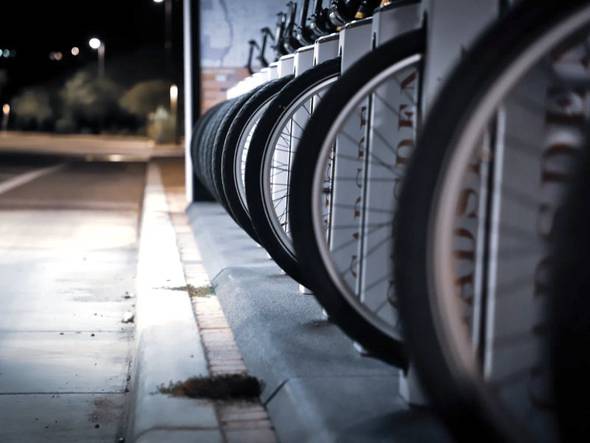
68, 246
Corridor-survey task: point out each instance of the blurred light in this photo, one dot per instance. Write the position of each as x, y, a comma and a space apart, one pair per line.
7, 53
75, 51
115, 158
158, 1
173, 93
6, 109
94, 43
56, 56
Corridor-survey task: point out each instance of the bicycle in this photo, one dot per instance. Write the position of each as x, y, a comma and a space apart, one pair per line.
477, 204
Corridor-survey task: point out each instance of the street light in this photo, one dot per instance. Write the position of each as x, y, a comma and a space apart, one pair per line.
99, 46
75, 51
174, 111
174, 98
5, 116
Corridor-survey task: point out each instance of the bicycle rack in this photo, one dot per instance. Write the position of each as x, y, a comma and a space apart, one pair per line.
286, 65
273, 71
303, 59
448, 35
325, 48
354, 42
283, 157
389, 22
527, 172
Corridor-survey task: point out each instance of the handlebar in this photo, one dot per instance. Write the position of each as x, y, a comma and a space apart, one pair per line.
253, 45
266, 34
319, 21
279, 32
302, 33
290, 42
294, 31
343, 11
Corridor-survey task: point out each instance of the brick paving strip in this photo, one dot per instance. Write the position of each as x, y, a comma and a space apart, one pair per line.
240, 421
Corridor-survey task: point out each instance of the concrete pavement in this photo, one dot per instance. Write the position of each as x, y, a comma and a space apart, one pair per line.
175, 344
68, 251
89, 147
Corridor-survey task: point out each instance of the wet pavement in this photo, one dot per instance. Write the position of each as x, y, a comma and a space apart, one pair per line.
68, 256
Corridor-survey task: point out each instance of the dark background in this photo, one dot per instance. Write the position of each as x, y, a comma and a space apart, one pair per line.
133, 32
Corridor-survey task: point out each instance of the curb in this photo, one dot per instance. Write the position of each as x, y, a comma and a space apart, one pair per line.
317, 387
168, 344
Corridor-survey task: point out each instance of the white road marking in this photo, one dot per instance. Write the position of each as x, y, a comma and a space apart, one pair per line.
23, 179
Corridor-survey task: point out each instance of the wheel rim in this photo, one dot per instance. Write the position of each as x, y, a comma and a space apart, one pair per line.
374, 303
241, 154
476, 344
276, 171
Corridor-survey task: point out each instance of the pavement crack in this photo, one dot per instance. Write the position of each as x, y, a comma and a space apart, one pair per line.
275, 392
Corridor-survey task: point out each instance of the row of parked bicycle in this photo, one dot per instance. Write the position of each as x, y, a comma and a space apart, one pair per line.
455, 246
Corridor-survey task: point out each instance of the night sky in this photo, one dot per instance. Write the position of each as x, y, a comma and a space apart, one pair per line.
35, 28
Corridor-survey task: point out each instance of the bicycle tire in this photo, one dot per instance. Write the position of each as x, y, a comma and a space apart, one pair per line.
206, 148
260, 214
198, 132
219, 145
470, 409
339, 309
234, 137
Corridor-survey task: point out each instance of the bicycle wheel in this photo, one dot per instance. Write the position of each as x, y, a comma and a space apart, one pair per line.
274, 142
477, 204
343, 191
237, 143
200, 127
206, 147
219, 144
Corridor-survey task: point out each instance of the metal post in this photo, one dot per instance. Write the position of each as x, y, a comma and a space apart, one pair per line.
453, 25
192, 91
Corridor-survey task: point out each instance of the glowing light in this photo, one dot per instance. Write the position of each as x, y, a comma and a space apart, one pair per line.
94, 43
6, 109
75, 51
173, 93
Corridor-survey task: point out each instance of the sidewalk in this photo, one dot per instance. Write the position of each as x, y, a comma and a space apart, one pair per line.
68, 258
182, 334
